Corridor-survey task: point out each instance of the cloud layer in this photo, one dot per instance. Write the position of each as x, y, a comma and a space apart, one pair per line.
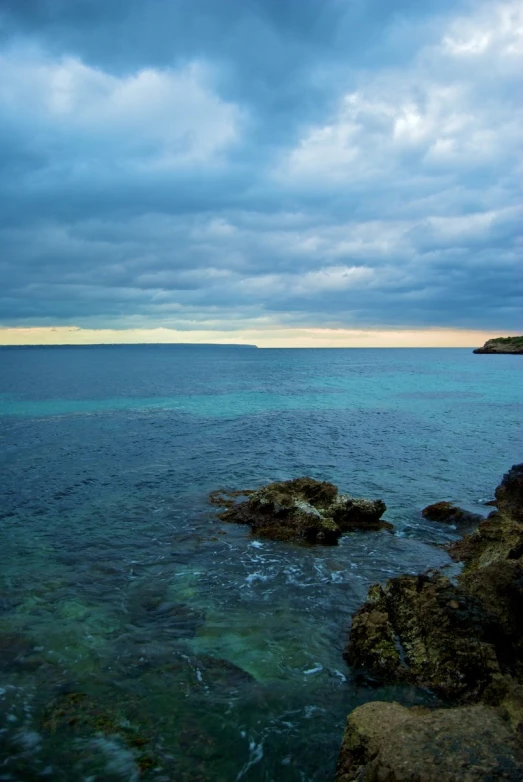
260, 165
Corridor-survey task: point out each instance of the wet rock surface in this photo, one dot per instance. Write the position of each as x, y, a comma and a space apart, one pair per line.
447, 513
302, 509
500, 536
386, 742
424, 630
461, 638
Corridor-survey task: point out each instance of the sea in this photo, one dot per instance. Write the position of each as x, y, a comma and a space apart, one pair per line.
141, 638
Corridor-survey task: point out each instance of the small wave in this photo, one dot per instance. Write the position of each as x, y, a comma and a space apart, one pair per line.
256, 576
317, 668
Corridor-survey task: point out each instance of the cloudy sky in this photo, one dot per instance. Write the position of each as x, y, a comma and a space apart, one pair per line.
276, 171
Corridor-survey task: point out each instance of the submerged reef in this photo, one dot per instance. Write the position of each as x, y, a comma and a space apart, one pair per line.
502, 345
302, 509
461, 638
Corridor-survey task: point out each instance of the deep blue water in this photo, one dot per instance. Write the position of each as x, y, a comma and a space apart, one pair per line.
141, 638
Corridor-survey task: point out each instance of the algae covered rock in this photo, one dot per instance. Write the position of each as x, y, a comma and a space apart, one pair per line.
498, 587
462, 639
500, 536
447, 513
386, 742
509, 494
452, 637
301, 509
424, 630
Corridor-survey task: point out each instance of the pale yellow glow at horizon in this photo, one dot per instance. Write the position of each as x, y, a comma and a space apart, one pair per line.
262, 337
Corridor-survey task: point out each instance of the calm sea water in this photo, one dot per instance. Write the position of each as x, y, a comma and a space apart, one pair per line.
140, 638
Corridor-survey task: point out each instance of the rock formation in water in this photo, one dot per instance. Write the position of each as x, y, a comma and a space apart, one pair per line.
447, 513
502, 345
301, 509
461, 639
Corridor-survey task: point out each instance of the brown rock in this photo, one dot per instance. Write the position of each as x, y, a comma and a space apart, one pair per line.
386, 742
509, 494
426, 631
301, 509
500, 536
447, 513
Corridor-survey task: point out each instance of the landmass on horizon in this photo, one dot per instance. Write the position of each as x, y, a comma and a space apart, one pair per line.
137, 345
500, 345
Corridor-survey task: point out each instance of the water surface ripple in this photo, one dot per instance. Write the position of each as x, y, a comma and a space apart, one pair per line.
141, 638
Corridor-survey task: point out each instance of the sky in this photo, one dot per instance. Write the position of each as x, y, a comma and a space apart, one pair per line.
278, 172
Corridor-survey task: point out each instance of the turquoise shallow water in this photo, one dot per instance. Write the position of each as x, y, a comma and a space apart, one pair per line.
143, 639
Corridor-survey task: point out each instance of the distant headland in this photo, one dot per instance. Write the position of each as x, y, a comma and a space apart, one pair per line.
502, 345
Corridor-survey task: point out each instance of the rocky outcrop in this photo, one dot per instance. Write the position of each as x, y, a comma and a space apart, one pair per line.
509, 494
500, 536
424, 630
447, 513
386, 742
301, 509
502, 345
464, 640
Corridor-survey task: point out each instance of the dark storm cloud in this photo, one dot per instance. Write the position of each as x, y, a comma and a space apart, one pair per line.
318, 163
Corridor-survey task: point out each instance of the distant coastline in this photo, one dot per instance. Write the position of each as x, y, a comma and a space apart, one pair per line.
501, 345
134, 345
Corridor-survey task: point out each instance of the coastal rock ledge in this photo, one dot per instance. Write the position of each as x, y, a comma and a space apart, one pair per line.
463, 639
501, 345
386, 742
302, 509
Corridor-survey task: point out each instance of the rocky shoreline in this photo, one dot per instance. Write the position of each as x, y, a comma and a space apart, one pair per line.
461, 638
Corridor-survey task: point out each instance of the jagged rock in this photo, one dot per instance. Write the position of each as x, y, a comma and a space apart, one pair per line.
448, 513
509, 494
500, 536
499, 589
495, 540
465, 641
386, 742
424, 630
301, 509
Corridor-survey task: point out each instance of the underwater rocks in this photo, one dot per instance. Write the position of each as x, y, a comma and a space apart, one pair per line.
386, 742
301, 509
447, 513
502, 345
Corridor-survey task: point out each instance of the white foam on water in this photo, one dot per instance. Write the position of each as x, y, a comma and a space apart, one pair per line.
317, 668
256, 576
255, 755
310, 711
256, 544
119, 759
